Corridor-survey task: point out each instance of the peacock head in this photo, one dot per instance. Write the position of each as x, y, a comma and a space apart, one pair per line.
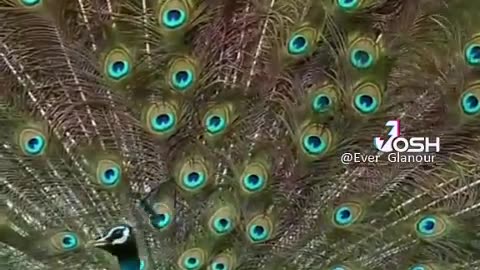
118, 241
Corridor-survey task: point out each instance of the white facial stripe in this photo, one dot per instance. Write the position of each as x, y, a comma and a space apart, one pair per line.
125, 235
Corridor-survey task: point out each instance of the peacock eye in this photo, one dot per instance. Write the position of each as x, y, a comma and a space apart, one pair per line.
161, 221
365, 103
470, 104
347, 214
192, 259
253, 182
69, 241
31, 3
35, 145
417, 267
321, 103
472, 54
348, 5
194, 180
259, 229
219, 266
109, 173
298, 44
174, 18
222, 225
118, 69
430, 226
343, 216
314, 144
182, 79
361, 59
163, 122
215, 123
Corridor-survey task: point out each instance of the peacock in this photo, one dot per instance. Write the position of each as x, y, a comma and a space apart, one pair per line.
219, 134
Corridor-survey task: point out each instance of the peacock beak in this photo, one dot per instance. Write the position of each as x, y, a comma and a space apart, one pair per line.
99, 242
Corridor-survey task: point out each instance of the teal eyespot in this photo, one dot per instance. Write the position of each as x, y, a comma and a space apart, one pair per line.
417, 267
315, 140
182, 79
253, 182
321, 103
259, 229
222, 225
347, 214
192, 263
109, 173
219, 266
472, 54
194, 180
348, 5
174, 18
70, 241
192, 259
343, 216
298, 44
365, 103
338, 267
258, 233
117, 64
161, 221
470, 104
314, 144
361, 59
163, 122
427, 226
215, 124
31, 3
118, 69
431, 226
35, 145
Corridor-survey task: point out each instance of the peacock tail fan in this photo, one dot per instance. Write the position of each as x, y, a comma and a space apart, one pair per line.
239, 134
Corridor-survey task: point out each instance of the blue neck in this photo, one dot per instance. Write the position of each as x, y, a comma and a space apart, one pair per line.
131, 264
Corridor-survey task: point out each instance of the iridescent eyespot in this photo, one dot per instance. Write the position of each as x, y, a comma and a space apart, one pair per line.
161, 221
431, 226
182, 79
174, 14
192, 259
223, 221
161, 119
470, 102
367, 98
118, 64
31, 3
298, 44
217, 120
347, 214
315, 140
472, 54
348, 5
215, 123
174, 18
65, 241
223, 261
302, 41
32, 142
363, 53
69, 241
259, 229
109, 173
321, 103
193, 175
182, 74
254, 177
